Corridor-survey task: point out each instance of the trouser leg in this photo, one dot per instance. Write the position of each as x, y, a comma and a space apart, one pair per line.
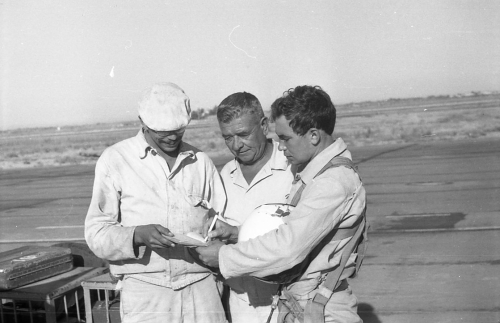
149, 303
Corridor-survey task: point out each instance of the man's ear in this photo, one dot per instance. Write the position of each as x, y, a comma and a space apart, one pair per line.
314, 136
264, 124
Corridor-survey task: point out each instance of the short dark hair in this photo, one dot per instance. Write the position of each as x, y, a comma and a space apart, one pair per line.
238, 104
306, 107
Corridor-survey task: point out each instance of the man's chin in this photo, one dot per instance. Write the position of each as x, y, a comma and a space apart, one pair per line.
245, 161
296, 163
169, 148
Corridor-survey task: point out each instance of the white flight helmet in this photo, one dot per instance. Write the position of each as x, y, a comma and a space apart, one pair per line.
263, 219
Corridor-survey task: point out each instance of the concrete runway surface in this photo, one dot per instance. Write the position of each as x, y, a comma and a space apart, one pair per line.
434, 241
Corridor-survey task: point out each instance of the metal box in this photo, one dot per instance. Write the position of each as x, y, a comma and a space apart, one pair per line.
29, 264
52, 300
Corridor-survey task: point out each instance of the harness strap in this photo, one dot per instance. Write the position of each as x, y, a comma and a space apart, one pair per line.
334, 162
315, 307
290, 305
293, 306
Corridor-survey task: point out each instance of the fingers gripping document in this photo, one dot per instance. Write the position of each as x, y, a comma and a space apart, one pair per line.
194, 239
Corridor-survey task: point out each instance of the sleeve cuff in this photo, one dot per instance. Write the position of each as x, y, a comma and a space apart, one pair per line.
222, 265
140, 250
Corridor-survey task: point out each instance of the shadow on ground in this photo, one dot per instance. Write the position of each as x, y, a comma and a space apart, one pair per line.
366, 312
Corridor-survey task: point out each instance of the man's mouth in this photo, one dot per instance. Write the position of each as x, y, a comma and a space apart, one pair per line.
170, 143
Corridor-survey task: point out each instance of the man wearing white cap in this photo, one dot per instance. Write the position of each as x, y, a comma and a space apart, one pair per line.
147, 189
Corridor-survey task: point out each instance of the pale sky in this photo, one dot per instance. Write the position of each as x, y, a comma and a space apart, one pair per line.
69, 62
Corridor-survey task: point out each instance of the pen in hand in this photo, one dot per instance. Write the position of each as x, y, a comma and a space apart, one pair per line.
211, 226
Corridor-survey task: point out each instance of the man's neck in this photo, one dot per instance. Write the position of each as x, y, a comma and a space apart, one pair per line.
325, 142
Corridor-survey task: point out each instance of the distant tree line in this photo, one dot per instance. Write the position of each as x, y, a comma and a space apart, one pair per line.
202, 113
430, 97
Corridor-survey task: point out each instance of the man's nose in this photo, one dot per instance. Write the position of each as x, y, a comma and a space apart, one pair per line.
281, 145
237, 143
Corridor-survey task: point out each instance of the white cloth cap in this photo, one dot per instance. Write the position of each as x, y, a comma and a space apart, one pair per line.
165, 107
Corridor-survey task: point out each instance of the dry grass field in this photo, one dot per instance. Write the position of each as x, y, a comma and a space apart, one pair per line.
359, 124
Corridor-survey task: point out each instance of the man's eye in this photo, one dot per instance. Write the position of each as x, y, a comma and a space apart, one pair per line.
228, 138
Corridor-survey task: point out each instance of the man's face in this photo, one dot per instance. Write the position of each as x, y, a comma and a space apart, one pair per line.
245, 137
297, 149
168, 141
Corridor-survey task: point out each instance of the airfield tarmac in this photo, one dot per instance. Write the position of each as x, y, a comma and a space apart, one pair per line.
434, 212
